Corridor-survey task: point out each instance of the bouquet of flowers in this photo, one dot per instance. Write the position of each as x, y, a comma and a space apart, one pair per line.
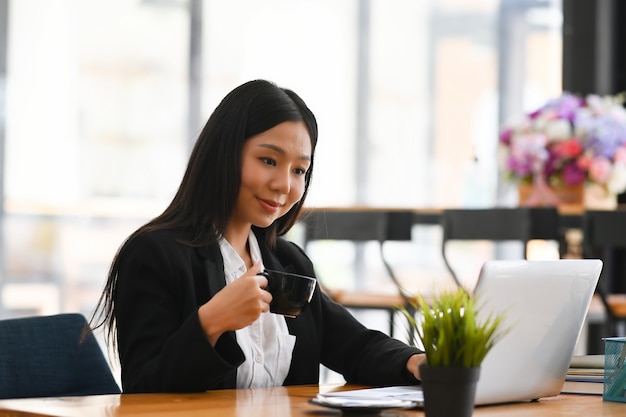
570, 140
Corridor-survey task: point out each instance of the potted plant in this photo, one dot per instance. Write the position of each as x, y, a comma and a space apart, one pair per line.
456, 339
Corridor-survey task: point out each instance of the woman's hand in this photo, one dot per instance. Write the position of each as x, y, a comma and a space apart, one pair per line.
237, 305
414, 362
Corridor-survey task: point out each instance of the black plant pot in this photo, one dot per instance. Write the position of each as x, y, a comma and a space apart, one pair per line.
449, 392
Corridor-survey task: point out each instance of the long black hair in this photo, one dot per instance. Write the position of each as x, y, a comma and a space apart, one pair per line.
207, 194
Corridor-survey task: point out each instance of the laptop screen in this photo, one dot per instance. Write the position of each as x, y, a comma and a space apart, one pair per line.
545, 304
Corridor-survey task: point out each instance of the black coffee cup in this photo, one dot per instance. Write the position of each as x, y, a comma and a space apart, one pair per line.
290, 292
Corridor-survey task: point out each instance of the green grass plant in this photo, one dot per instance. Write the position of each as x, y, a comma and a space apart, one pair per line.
450, 330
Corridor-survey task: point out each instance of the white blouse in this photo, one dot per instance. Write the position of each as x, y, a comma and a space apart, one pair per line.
266, 343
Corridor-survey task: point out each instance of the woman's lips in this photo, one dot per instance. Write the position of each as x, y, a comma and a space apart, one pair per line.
270, 205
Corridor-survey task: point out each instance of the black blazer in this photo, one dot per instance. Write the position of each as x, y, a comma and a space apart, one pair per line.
162, 347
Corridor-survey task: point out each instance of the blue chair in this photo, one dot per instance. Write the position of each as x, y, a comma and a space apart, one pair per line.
51, 356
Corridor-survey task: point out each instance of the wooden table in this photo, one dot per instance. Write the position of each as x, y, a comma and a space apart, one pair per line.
272, 402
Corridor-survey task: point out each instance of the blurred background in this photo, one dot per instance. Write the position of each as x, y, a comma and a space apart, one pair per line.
101, 101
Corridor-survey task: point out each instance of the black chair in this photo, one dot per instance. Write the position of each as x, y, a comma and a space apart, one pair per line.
603, 233
51, 356
363, 226
497, 224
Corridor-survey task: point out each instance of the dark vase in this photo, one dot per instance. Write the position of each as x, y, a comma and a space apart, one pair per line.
449, 392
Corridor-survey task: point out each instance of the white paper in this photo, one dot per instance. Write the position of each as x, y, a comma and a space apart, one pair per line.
403, 393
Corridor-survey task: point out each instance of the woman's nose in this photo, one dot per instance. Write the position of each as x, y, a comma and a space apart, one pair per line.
282, 181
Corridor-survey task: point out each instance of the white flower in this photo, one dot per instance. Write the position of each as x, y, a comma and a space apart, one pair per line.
530, 145
558, 129
618, 113
584, 121
616, 183
539, 123
600, 105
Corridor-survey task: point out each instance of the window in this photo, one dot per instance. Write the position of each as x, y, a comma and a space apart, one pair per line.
408, 98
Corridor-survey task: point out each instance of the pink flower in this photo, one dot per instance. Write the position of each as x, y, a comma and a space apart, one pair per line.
620, 155
569, 148
600, 169
584, 162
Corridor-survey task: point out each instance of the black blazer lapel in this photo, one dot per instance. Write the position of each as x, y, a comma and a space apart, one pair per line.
271, 261
206, 289
214, 272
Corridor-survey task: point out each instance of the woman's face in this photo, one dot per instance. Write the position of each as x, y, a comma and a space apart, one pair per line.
274, 164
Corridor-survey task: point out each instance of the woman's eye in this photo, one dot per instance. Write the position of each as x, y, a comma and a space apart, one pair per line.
299, 171
268, 161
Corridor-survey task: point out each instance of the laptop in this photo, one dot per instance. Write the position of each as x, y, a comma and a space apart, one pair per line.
545, 304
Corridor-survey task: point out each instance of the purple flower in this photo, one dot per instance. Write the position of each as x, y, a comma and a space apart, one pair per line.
572, 174
520, 167
565, 106
605, 135
568, 106
505, 136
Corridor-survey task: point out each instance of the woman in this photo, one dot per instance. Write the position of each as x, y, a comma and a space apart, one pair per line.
184, 303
